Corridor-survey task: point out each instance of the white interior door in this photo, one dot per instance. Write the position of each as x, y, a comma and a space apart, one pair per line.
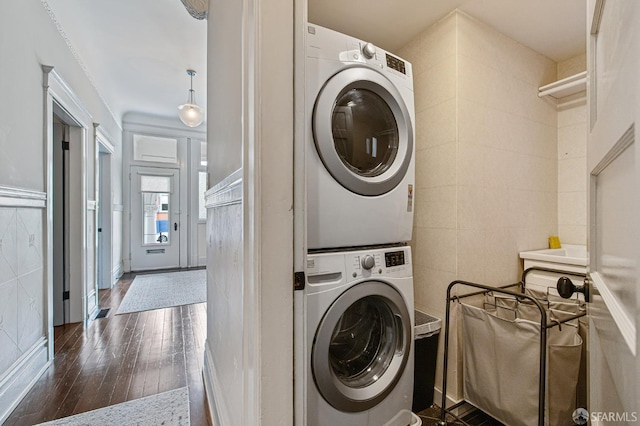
614, 211
155, 218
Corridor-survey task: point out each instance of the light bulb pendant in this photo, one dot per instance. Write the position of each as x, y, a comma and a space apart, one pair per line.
190, 113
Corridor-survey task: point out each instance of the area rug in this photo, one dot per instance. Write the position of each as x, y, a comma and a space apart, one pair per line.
168, 408
157, 291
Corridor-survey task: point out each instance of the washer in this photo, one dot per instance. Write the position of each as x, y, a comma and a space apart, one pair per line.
359, 338
359, 115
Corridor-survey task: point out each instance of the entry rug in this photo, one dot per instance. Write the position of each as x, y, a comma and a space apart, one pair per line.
157, 291
168, 408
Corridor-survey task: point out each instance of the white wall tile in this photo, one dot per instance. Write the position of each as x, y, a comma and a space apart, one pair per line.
571, 113
436, 166
431, 47
471, 165
572, 208
572, 141
572, 234
436, 248
572, 175
435, 85
436, 207
436, 125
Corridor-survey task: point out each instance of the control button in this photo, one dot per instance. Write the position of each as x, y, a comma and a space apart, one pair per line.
368, 262
369, 50
354, 275
380, 271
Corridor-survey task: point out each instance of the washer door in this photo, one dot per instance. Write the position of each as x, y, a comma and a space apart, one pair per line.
361, 346
363, 131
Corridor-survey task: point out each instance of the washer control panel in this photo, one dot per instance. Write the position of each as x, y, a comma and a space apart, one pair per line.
392, 262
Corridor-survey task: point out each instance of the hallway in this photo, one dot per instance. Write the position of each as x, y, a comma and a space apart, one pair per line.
121, 358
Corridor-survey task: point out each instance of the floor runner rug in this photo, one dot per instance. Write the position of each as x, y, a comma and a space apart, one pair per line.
157, 291
168, 408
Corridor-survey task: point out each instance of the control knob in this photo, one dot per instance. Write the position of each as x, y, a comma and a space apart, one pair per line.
368, 50
368, 262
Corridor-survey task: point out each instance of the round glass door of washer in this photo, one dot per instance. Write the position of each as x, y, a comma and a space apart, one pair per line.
362, 131
361, 346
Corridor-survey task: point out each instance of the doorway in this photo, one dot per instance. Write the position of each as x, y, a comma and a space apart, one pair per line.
105, 209
61, 266
155, 218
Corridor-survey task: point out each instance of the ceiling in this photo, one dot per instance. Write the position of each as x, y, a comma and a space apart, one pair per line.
137, 52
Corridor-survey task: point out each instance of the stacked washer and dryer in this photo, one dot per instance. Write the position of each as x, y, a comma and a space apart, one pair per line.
358, 297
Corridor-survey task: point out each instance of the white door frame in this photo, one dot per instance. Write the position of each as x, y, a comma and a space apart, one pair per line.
59, 95
104, 217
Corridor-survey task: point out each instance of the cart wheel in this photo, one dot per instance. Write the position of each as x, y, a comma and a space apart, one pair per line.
162, 238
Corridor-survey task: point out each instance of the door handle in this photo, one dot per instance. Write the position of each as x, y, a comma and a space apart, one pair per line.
175, 226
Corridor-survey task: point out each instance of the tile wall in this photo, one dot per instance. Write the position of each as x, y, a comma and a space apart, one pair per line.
486, 160
572, 158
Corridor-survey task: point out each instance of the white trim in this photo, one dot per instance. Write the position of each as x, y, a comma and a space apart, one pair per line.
117, 272
217, 406
625, 323
22, 377
625, 141
225, 193
58, 92
299, 213
160, 126
17, 197
118, 207
104, 138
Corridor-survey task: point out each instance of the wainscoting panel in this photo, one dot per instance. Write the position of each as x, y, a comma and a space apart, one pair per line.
22, 294
224, 351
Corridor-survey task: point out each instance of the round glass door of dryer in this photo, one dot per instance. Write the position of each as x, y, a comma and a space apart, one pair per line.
361, 346
362, 131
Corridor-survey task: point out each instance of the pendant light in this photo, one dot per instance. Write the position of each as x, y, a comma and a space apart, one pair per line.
190, 113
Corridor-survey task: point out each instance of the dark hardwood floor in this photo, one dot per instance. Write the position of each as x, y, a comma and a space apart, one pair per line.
120, 358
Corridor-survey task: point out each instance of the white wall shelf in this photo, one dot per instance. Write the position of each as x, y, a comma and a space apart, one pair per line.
565, 87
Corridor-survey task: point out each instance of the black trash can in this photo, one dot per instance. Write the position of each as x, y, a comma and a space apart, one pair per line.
426, 334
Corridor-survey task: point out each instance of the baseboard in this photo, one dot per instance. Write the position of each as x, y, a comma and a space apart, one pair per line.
215, 395
460, 411
117, 273
23, 375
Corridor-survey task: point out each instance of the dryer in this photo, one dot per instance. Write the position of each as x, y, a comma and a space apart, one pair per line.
359, 338
359, 126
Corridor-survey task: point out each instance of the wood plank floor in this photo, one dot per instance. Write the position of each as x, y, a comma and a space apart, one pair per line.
120, 358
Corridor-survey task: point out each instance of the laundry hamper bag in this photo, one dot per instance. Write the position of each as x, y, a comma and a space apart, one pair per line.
501, 359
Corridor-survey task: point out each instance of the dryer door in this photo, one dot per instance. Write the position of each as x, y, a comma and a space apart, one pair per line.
363, 131
361, 346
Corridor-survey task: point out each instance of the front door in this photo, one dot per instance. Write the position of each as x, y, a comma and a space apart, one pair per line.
614, 211
155, 218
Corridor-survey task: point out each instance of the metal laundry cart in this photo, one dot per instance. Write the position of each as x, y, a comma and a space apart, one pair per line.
539, 328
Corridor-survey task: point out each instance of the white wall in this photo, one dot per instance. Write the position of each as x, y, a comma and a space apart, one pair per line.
249, 348
29, 40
